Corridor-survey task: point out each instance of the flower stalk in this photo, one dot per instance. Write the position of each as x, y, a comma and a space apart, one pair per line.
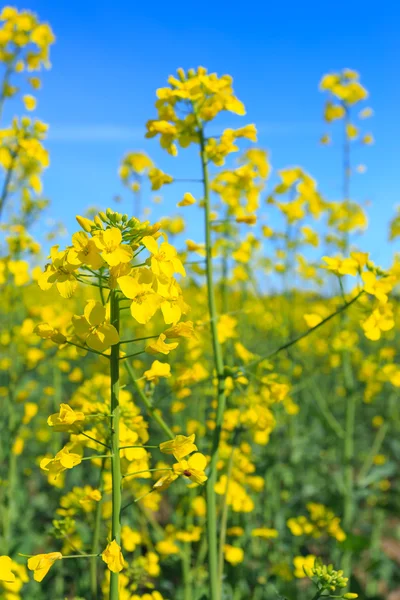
114, 441
221, 397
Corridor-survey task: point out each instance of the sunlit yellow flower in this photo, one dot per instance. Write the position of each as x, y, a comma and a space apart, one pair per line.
64, 459
157, 370
164, 259
93, 327
112, 250
193, 468
113, 558
65, 419
159, 346
60, 272
180, 447
41, 564
5, 569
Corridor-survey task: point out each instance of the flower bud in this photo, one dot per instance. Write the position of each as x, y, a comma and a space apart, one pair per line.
350, 596
86, 224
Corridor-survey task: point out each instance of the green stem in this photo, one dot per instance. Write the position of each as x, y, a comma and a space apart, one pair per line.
93, 439
186, 572
221, 398
152, 411
96, 540
348, 499
114, 440
224, 519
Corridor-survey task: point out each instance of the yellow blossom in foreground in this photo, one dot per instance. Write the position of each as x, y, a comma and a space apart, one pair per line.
113, 558
60, 272
64, 459
165, 481
145, 302
341, 266
65, 418
159, 346
41, 564
164, 259
193, 468
180, 447
158, 369
5, 569
112, 250
94, 329
182, 329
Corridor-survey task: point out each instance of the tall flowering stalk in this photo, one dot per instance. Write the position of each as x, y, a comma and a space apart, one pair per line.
184, 109
103, 257
345, 93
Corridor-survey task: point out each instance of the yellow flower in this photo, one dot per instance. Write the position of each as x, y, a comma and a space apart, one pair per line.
180, 447
380, 320
94, 329
158, 369
265, 533
164, 260
165, 481
29, 101
333, 112
113, 558
193, 468
368, 139
351, 131
65, 419
47, 332
233, 555
84, 251
377, 287
60, 272
312, 319
112, 250
63, 460
41, 564
145, 301
302, 563
159, 346
158, 179
183, 329
5, 569
341, 266
187, 200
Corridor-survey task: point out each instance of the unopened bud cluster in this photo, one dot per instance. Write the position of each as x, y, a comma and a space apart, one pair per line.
328, 579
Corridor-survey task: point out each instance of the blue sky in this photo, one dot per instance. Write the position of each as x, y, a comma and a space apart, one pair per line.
109, 59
